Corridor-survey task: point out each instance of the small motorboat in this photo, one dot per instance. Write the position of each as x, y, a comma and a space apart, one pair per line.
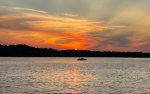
81, 59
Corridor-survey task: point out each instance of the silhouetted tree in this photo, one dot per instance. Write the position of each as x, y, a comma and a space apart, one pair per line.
22, 50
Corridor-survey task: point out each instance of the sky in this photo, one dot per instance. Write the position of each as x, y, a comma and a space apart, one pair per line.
98, 25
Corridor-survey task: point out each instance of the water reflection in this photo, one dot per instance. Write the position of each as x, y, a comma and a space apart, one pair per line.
67, 75
66, 78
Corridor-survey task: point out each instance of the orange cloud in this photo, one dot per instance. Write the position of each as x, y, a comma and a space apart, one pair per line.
40, 29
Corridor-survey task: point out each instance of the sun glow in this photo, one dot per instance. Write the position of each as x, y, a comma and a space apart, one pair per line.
75, 49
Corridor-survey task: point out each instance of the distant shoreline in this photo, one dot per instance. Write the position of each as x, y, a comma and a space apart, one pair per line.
70, 57
27, 51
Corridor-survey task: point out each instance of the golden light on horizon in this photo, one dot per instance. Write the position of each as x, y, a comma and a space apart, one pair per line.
75, 49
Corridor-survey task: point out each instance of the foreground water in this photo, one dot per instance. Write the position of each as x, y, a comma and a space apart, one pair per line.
67, 75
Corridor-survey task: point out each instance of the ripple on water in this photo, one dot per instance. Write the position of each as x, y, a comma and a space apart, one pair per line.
68, 76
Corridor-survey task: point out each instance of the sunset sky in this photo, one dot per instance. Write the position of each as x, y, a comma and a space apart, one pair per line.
105, 25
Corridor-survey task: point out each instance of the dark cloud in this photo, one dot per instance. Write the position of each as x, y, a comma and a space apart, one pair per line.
122, 40
111, 37
144, 47
64, 41
14, 25
15, 20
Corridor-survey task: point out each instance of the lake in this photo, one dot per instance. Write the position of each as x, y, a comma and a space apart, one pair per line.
63, 75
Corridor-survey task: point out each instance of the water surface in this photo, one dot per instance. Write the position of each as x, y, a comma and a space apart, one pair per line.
67, 75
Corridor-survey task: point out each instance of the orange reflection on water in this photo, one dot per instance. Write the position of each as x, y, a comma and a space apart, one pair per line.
73, 80
66, 80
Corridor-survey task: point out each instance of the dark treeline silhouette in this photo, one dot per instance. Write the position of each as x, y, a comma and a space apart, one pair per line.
27, 51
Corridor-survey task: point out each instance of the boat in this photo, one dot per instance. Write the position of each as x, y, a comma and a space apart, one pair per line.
81, 59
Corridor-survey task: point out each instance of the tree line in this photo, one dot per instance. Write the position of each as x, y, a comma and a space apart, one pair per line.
22, 50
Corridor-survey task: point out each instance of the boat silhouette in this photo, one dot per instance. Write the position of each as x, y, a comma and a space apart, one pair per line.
81, 59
